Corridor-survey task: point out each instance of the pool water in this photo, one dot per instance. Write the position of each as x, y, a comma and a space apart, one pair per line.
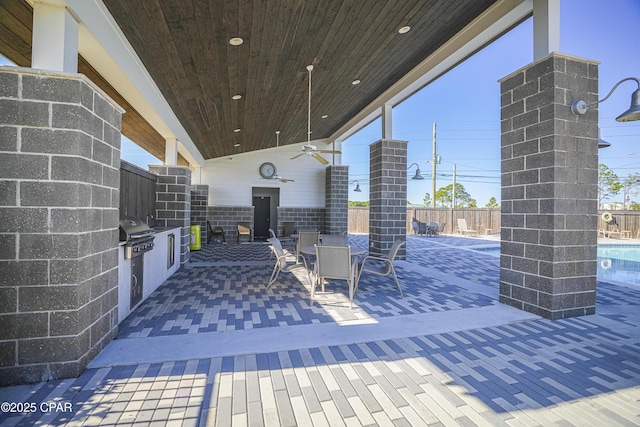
618, 263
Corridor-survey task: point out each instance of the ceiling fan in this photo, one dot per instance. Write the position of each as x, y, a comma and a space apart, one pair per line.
308, 149
275, 175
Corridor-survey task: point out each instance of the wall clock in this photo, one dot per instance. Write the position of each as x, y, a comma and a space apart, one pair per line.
267, 170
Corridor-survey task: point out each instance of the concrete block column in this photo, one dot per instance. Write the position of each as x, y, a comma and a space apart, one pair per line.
336, 199
59, 197
173, 202
549, 188
387, 196
199, 203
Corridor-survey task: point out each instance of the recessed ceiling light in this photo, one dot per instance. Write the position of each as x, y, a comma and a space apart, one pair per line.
236, 130
236, 97
236, 41
404, 30
355, 82
236, 145
325, 116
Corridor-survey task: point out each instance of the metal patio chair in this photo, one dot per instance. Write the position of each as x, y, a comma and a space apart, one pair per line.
306, 239
212, 232
334, 262
382, 266
282, 264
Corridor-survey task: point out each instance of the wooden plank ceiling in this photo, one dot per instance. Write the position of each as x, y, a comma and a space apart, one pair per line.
185, 46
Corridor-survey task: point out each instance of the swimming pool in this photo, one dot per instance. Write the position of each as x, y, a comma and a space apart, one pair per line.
618, 263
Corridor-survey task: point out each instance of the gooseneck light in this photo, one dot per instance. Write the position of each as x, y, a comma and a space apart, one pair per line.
417, 175
632, 114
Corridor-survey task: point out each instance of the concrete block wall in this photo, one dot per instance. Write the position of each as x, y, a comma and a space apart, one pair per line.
59, 196
336, 199
228, 218
173, 202
387, 196
303, 218
199, 202
549, 188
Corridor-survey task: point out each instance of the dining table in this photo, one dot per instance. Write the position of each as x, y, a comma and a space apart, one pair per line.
355, 250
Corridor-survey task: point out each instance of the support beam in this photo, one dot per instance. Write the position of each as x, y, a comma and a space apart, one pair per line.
387, 196
549, 188
171, 151
387, 121
55, 39
546, 28
336, 199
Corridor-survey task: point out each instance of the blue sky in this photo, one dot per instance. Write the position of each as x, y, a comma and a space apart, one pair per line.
465, 104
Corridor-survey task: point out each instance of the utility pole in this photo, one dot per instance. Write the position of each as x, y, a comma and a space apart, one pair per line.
453, 191
433, 169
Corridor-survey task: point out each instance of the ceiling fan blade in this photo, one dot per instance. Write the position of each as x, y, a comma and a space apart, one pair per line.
296, 156
330, 151
321, 159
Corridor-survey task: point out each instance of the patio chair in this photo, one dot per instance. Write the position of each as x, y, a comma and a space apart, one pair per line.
463, 229
244, 231
306, 239
616, 233
382, 266
439, 229
211, 232
288, 228
281, 262
334, 262
433, 228
419, 227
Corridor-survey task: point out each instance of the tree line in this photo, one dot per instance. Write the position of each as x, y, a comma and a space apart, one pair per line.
444, 199
611, 185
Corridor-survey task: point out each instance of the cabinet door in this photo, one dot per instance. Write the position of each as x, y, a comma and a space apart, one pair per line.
137, 269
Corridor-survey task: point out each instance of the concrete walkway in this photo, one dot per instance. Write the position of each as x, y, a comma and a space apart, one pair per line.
210, 347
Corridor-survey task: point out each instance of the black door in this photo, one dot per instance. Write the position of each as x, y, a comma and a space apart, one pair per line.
261, 217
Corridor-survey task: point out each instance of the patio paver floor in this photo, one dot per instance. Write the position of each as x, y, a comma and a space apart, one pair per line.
210, 347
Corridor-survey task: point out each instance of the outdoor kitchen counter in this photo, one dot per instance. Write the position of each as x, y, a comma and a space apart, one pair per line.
158, 265
162, 229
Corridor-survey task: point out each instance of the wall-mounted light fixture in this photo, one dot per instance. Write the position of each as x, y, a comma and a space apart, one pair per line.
357, 183
632, 114
417, 175
601, 142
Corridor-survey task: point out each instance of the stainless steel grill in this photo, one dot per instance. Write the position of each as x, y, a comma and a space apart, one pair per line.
137, 235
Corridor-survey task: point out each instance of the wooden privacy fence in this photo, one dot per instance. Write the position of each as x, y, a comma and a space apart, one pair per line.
484, 220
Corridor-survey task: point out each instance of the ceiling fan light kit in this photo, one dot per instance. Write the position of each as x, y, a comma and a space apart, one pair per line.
308, 149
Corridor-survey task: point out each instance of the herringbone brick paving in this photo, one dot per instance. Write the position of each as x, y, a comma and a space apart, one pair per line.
580, 371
